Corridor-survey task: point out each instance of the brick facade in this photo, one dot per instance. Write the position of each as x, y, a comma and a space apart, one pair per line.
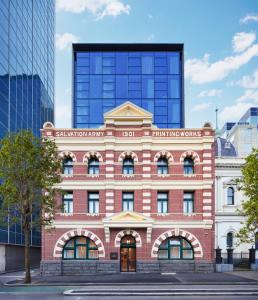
132, 134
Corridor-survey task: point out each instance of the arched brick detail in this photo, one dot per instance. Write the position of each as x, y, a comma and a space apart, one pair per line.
192, 154
68, 154
192, 239
90, 154
123, 155
122, 233
48, 125
77, 232
167, 154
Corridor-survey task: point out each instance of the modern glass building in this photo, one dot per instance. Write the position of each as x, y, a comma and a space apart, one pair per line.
26, 64
107, 75
26, 88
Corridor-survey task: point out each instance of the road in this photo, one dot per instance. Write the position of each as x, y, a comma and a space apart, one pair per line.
178, 286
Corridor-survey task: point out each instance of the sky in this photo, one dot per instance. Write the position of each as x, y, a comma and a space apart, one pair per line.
220, 44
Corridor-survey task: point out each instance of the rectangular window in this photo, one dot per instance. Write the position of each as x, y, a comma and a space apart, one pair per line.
188, 202
93, 203
128, 201
68, 202
162, 199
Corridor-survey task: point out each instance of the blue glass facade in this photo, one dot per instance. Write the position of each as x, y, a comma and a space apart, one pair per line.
107, 75
26, 76
26, 64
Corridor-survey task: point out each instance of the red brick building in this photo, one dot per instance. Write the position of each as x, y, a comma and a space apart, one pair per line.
138, 198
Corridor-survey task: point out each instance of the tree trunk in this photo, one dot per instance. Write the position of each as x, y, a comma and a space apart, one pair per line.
27, 278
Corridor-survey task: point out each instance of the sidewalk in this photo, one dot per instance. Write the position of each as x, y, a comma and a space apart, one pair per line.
248, 277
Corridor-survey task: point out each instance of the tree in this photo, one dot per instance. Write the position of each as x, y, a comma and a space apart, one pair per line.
249, 208
29, 170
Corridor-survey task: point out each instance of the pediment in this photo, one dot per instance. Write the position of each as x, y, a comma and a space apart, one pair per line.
128, 216
128, 112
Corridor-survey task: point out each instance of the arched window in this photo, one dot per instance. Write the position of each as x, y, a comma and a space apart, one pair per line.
80, 247
230, 196
128, 165
162, 164
68, 166
188, 165
175, 248
93, 166
230, 240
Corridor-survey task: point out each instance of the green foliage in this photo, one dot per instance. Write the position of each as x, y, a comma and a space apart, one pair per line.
249, 208
28, 166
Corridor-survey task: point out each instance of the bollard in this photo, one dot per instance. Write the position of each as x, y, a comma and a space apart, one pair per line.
230, 256
218, 256
252, 255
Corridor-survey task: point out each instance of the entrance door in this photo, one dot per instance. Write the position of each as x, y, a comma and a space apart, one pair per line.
128, 254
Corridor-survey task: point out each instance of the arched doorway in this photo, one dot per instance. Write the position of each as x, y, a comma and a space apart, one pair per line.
128, 254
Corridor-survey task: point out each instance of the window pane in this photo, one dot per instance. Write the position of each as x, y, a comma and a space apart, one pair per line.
93, 254
81, 240
163, 254
70, 243
68, 253
81, 252
174, 241
175, 252
185, 244
147, 65
188, 254
92, 244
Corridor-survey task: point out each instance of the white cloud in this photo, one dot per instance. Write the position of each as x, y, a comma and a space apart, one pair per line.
98, 8
150, 16
201, 106
210, 93
202, 71
242, 40
62, 115
234, 112
249, 18
64, 41
249, 95
249, 82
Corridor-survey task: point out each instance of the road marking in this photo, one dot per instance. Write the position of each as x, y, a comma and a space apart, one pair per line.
168, 273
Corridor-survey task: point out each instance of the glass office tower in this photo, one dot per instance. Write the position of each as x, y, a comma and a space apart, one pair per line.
26, 64
26, 86
107, 75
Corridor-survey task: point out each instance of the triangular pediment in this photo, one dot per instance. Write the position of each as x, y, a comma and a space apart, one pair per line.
128, 216
128, 112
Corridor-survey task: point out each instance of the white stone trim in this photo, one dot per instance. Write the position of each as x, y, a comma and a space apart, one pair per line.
109, 175
109, 162
90, 154
122, 233
206, 168
146, 194
146, 201
109, 201
109, 155
147, 207
167, 154
208, 194
110, 207
175, 232
77, 232
146, 168
207, 214
146, 155
64, 154
206, 154
123, 155
206, 207
206, 161
192, 154
146, 175
109, 168
109, 194
206, 201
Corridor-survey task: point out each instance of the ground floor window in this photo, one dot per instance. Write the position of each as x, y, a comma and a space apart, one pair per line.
175, 248
80, 247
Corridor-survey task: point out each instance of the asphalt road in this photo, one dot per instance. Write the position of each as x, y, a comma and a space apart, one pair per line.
164, 287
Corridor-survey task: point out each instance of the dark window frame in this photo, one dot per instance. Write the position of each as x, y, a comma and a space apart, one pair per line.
69, 201
127, 201
188, 200
68, 166
167, 246
230, 196
74, 248
162, 165
93, 166
162, 201
94, 201
128, 166
188, 165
